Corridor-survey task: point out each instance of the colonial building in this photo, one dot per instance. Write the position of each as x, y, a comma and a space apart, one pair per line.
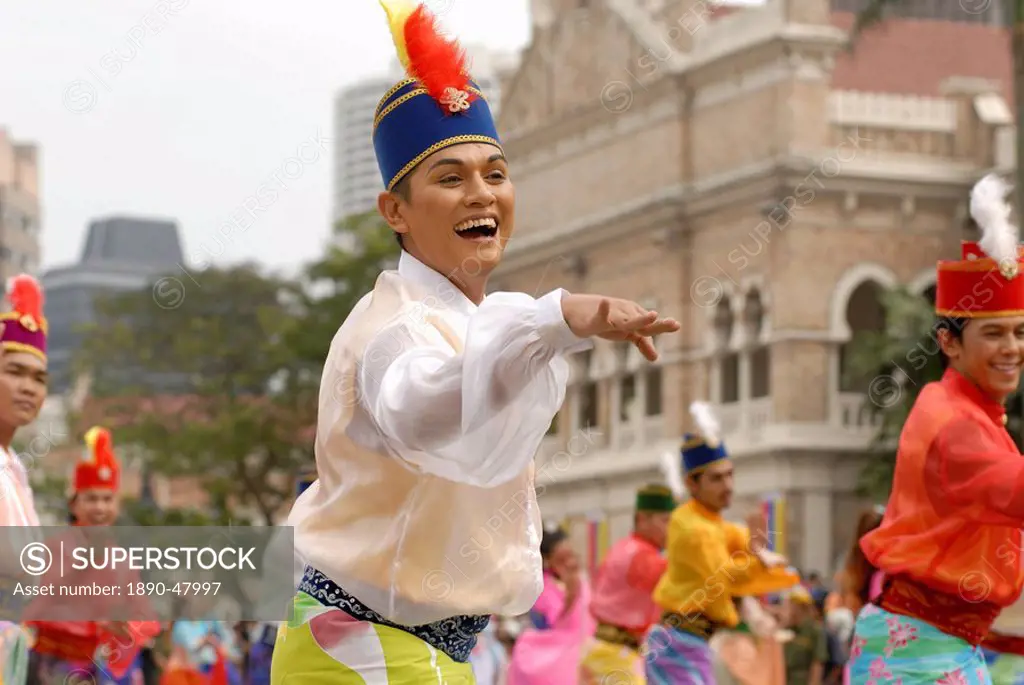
741, 170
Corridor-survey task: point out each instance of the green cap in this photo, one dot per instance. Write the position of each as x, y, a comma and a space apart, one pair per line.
655, 498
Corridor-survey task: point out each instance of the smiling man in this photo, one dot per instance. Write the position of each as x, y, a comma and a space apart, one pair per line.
22, 392
949, 543
433, 403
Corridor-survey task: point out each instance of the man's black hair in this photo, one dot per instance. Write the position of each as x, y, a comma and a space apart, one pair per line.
550, 541
955, 326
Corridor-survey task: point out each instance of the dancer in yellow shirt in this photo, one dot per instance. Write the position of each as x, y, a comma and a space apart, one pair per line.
710, 561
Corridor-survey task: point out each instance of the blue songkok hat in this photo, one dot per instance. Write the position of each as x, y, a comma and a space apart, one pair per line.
437, 106
705, 446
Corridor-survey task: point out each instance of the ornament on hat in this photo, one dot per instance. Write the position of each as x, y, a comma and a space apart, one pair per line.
984, 281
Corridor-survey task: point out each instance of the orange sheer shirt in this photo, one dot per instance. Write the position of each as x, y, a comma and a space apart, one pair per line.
953, 521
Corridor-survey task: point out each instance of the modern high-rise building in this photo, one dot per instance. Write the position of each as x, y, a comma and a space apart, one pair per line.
121, 254
356, 178
19, 207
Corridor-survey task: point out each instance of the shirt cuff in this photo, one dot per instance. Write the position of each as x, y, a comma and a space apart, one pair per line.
553, 328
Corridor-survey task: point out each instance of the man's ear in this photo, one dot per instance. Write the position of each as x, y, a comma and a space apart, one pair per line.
390, 207
949, 343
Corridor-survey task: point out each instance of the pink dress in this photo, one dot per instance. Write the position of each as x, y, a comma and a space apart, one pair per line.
551, 650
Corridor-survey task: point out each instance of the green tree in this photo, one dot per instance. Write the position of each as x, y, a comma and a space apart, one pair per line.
332, 286
192, 372
894, 365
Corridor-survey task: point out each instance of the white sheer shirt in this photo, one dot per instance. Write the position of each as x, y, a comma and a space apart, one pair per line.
475, 417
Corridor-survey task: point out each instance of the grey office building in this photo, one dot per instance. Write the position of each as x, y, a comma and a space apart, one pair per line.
120, 254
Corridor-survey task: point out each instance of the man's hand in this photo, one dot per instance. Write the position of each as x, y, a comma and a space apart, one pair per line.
591, 316
758, 526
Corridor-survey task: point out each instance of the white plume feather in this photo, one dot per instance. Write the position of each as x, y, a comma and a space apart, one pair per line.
672, 469
991, 211
707, 424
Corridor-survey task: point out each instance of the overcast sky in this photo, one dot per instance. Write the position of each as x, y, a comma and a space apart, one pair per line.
183, 108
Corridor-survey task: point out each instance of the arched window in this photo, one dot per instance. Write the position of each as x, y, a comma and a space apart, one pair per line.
729, 358
586, 392
754, 320
864, 313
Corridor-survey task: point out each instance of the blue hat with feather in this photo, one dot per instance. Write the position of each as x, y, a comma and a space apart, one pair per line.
437, 106
705, 446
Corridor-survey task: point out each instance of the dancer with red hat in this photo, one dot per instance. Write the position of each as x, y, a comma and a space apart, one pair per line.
103, 652
950, 539
23, 378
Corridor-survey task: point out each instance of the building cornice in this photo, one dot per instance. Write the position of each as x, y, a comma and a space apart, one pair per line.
681, 202
632, 218
779, 438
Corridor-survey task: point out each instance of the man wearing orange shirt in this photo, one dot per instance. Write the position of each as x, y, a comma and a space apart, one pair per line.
949, 543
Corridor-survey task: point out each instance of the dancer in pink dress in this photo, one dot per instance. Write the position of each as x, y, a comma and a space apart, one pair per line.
551, 649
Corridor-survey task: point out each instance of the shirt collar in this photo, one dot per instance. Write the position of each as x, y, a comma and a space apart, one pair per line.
961, 385
440, 291
644, 541
700, 509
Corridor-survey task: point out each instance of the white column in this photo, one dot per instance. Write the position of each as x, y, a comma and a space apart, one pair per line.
833, 384
817, 552
744, 388
615, 408
715, 384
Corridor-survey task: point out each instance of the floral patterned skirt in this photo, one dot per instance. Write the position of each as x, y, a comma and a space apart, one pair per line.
899, 650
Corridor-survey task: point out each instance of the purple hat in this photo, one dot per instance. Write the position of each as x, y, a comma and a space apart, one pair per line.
24, 328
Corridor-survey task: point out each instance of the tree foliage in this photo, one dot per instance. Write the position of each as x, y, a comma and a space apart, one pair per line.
216, 376
894, 364
195, 385
332, 286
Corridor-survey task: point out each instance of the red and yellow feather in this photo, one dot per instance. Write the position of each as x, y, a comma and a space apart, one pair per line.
26, 296
437, 62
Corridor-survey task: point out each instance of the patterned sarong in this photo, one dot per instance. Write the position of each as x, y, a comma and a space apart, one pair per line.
889, 648
1007, 669
323, 645
676, 657
13, 654
606, 663
45, 669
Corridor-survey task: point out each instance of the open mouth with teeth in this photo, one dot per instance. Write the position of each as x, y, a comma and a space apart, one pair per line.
477, 229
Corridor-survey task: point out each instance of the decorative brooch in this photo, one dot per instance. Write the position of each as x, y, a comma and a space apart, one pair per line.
456, 100
29, 322
1009, 269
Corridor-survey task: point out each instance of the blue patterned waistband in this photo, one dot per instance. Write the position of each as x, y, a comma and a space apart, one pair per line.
454, 636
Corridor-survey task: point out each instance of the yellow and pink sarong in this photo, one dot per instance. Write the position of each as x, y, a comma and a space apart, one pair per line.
324, 645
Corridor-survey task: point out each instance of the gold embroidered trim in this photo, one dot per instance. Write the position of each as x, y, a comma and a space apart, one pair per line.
447, 142
12, 346
408, 96
703, 467
391, 107
397, 87
983, 264
15, 316
968, 314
